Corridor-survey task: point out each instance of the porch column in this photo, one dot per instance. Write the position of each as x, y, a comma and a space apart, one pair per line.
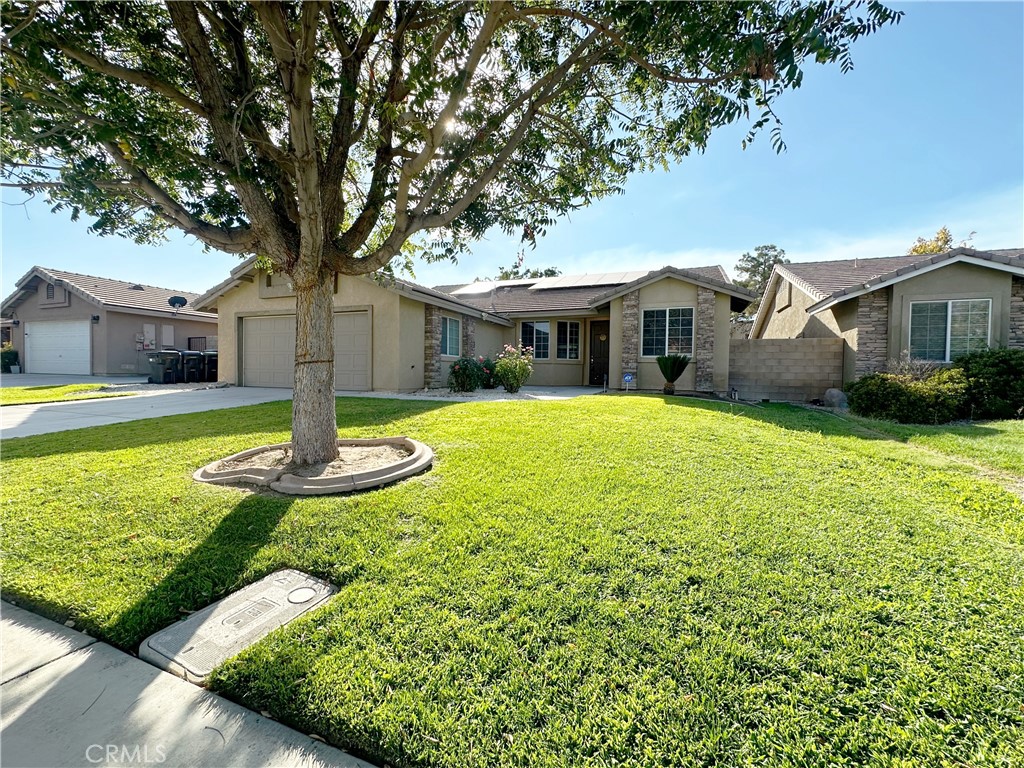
872, 333
432, 347
468, 336
704, 343
630, 334
1016, 338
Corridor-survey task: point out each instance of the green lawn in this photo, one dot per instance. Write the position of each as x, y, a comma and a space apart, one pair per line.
995, 444
54, 394
612, 580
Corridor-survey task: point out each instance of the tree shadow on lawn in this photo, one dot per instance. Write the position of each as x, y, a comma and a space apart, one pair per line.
257, 420
798, 419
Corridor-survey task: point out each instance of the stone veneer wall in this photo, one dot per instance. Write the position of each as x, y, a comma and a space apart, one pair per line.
468, 336
704, 341
630, 331
1016, 338
432, 376
872, 333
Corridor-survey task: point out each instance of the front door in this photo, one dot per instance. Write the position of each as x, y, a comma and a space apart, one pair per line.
598, 352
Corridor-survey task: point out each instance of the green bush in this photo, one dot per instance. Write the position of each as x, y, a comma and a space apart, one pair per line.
8, 357
465, 375
672, 367
489, 382
514, 366
936, 399
995, 383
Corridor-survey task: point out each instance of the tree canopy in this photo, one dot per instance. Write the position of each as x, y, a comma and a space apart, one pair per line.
325, 135
517, 272
943, 241
756, 268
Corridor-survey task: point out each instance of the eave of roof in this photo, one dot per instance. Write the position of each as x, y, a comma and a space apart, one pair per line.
686, 275
987, 259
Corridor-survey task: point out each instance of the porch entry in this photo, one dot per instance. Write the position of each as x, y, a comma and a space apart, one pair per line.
599, 343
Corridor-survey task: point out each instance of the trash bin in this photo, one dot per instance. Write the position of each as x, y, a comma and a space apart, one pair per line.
164, 367
210, 365
191, 366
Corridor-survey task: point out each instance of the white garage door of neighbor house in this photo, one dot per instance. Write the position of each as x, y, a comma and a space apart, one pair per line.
58, 346
268, 351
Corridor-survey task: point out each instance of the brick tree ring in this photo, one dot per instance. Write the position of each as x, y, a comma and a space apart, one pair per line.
362, 464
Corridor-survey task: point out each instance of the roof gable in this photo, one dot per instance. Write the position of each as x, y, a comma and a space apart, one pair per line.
117, 295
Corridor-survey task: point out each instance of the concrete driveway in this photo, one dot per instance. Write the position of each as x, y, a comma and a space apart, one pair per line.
24, 420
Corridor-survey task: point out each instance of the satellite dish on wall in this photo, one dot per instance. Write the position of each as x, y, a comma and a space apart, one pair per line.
177, 302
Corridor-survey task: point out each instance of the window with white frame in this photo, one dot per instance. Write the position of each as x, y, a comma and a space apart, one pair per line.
451, 336
667, 331
567, 341
538, 336
944, 330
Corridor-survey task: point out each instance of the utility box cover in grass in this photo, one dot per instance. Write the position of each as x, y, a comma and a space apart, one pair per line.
194, 647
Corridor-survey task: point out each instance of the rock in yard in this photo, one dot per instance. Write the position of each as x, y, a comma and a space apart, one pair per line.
835, 398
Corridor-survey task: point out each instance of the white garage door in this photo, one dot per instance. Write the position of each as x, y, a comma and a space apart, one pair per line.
58, 347
268, 351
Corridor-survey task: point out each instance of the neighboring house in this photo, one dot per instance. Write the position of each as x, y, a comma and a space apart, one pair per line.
932, 307
403, 336
62, 322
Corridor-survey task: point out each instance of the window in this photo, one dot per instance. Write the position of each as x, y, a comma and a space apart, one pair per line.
667, 331
451, 336
49, 291
538, 336
944, 330
568, 340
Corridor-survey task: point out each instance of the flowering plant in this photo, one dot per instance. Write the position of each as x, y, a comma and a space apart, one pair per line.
465, 375
489, 382
514, 366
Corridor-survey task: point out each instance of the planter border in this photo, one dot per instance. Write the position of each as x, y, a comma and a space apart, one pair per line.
420, 458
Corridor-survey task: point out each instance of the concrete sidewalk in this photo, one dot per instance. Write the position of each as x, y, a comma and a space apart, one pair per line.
69, 700
39, 419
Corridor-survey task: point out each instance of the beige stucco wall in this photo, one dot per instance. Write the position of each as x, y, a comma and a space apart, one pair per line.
553, 372
491, 338
672, 293
410, 345
615, 344
354, 293
957, 281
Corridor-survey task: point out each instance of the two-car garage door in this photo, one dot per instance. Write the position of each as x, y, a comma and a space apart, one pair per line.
268, 351
58, 346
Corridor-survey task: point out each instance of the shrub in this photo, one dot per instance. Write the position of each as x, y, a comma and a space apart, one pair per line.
672, 367
465, 375
514, 366
8, 357
995, 383
489, 382
937, 399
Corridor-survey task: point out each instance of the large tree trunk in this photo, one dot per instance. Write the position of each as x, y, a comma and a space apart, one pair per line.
314, 422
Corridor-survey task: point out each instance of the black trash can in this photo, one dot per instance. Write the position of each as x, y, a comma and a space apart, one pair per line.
164, 366
210, 365
191, 366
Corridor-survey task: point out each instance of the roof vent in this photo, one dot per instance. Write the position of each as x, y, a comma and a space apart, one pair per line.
137, 287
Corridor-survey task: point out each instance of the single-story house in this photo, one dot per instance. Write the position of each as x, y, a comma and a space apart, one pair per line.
930, 307
584, 329
66, 323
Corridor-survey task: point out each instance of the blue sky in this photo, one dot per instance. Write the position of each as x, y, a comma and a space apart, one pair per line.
928, 130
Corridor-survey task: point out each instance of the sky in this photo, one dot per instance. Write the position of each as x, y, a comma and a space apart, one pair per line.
927, 131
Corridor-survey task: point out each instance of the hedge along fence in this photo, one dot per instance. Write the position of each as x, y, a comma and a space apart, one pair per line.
795, 370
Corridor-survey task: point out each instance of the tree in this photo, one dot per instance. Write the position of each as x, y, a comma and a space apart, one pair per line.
943, 241
757, 268
517, 272
324, 135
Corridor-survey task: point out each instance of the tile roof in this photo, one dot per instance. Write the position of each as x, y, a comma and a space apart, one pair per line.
520, 296
115, 294
829, 279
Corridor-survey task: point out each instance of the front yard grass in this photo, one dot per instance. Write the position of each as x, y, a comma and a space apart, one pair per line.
995, 444
612, 580
53, 394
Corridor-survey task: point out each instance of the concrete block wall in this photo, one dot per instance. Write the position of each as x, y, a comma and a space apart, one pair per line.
794, 370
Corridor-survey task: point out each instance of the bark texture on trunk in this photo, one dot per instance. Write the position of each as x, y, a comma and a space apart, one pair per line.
314, 421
